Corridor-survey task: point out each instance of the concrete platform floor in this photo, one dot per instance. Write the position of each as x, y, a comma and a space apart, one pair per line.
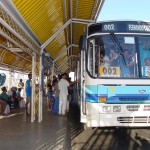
18, 133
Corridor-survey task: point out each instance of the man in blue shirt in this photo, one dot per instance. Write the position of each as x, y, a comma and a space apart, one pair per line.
28, 89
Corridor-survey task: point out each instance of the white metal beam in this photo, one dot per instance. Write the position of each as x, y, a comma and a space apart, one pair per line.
9, 7
65, 20
82, 21
93, 9
56, 34
13, 67
73, 20
59, 55
17, 35
67, 60
99, 9
71, 13
14, 42
64, 50
64, 62
2, 45
74, 34
68, 69
75, 45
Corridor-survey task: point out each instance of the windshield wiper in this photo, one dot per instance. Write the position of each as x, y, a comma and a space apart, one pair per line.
115, 40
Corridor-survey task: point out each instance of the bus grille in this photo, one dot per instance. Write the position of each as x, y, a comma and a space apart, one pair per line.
146, 108
134, 99
132, 107
137, 119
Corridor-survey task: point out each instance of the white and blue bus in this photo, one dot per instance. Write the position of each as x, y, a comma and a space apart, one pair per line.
115, 74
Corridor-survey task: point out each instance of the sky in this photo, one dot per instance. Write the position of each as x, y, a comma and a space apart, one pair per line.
125, 10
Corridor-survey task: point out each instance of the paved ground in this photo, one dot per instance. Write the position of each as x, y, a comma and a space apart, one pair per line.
66, 133
18, 133
112, 139
108, 138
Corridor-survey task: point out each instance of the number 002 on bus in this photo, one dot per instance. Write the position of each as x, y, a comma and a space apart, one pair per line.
109, 71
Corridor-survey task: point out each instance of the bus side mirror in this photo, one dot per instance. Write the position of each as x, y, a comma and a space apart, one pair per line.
82, 43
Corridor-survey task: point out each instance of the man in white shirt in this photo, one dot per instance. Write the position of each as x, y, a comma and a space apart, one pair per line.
63, 88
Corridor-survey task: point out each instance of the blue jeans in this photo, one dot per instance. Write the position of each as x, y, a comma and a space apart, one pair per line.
56, 105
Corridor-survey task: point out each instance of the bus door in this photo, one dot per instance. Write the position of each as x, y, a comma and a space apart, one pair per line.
82, 47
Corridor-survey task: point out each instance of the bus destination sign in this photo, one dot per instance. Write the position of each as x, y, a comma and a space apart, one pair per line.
139, 27
121, 26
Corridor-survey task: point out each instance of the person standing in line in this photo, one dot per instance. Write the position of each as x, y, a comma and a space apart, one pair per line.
63, 85
28, 89
21, 85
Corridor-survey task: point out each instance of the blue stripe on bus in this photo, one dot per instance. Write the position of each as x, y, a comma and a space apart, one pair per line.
91, 93
91, 97
118, 99
133, 95
118, 94
129, 99
92, 89
124, 90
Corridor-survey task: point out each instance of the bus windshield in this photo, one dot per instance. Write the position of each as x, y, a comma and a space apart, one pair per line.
119, 56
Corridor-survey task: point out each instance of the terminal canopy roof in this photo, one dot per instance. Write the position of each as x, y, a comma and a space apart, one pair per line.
53, 26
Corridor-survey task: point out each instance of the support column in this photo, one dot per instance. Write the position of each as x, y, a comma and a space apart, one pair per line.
40, 117
9, 80
52, 72
33, 87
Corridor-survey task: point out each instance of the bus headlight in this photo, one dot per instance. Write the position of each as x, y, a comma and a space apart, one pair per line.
117, 109
106, 109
